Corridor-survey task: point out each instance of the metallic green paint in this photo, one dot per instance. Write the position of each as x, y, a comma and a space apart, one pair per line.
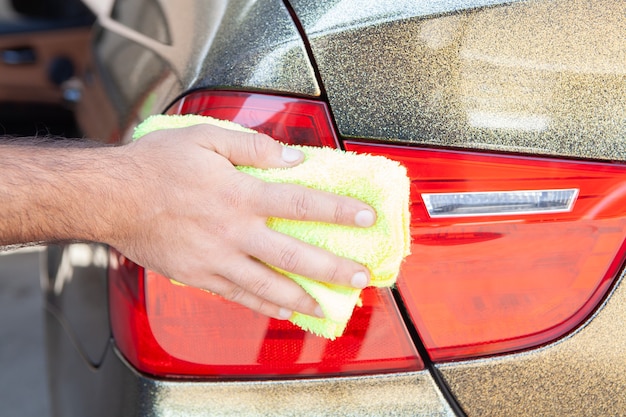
539, 77
413, 394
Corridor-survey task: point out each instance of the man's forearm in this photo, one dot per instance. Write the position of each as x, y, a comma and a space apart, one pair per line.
55, 191
174, 203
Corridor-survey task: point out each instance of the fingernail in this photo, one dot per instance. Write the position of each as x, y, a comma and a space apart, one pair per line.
359, 280
319, 312
291, 155
364, 218
285, 314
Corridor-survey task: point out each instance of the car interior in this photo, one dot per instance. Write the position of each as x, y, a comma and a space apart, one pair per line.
43, 45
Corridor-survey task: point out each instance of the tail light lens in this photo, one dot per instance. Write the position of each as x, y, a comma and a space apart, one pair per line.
507, 252
175, 331
290, 120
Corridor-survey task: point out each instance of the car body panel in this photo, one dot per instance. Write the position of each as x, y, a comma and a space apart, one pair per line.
130, 80
539, 91
422, 64
78, 388
582, 375
257, 46
127, 74
540, 77
189, 47
74, 280
114, 389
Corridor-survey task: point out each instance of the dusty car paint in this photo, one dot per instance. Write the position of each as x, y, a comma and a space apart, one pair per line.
197, 39
409, 394
538, 77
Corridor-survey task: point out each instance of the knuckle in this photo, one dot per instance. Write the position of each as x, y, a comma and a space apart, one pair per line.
301, 205
259, 146
332, 274
197, 130
302, 303
264, 307
338, 214
235, 294
261, 287
288, 259
233, 195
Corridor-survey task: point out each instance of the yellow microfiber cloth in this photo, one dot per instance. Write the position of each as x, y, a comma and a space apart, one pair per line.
375, 180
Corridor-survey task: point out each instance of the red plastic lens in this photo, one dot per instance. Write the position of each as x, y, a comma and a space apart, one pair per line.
498, 281
172, 330
290, 120
508, 253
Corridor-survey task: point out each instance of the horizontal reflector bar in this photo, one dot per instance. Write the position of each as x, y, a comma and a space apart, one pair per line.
494, 203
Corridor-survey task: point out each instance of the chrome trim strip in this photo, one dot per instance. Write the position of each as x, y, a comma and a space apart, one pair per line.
499, 203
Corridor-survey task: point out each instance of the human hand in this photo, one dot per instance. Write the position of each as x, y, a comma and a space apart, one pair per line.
200, 221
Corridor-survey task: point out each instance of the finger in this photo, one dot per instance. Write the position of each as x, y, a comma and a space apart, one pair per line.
232, 292
298, 257
259, 287
250, 149
295, 202
285, 200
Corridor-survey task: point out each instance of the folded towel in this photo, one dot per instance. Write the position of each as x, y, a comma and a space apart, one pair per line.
375, 180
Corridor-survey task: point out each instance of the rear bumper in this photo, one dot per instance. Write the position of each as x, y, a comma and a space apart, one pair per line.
116, 389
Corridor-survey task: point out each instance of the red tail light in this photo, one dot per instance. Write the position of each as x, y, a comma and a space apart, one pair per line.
171, 330
290, 120
507, 252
